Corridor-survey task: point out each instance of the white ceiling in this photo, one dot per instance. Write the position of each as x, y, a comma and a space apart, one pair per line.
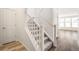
68, 11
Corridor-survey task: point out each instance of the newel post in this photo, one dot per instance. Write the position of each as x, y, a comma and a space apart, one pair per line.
42, 38
54, 34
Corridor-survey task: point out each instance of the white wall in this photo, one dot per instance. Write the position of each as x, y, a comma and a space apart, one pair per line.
21, 33
62, 12
43, 13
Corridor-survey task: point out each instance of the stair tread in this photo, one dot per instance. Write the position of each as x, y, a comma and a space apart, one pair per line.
47, 45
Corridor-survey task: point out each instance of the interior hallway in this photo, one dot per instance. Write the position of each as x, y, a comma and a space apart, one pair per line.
67, 41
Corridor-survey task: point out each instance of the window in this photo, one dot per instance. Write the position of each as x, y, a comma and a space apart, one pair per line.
75, 22
68, 22
61, 22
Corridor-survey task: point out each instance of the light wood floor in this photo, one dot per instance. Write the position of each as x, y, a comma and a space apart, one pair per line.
12, 46
68, 41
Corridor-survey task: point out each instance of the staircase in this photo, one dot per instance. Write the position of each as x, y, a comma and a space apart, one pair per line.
39, 37
47, 42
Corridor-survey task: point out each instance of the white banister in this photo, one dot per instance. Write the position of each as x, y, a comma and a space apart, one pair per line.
36, 31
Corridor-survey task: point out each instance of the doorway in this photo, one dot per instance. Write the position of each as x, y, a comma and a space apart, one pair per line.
7, 25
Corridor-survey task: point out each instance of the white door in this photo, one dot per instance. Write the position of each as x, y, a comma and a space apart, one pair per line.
7, 25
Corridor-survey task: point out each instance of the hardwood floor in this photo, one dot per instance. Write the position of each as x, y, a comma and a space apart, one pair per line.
13, 46
68, 41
